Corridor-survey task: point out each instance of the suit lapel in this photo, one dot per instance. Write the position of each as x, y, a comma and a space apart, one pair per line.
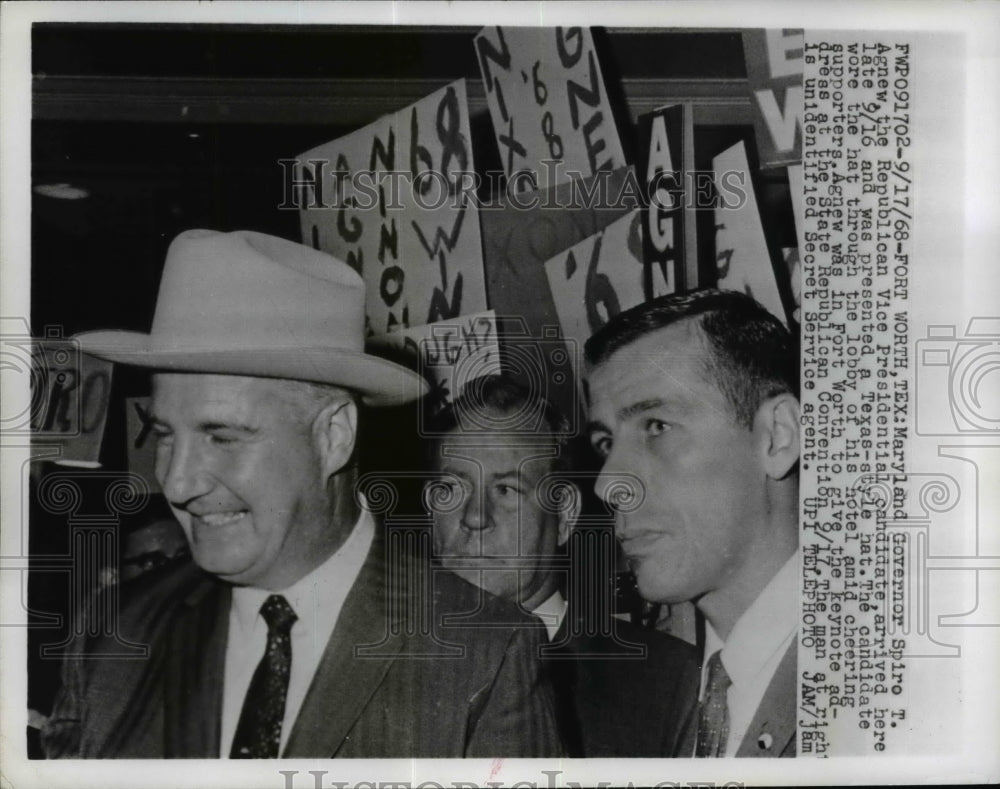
344, 684
681, 741
196, 649
772, 730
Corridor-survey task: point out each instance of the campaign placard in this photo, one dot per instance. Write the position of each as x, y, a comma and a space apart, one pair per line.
392, 200
665, 244
140, 448
449, 353
549, 105
742, 258
70, 394
599, 277
774, 71
521, 236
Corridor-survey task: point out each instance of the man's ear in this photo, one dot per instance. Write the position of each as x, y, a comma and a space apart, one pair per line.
335, 430
569, 511
777, 423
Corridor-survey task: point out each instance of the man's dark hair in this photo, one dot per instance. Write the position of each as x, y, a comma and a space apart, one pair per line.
752, 355
501, 404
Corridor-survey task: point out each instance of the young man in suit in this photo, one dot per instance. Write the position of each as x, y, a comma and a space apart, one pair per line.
504, 504
292, 633
694, 396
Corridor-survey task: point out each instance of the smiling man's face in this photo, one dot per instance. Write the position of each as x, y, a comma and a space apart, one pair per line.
239, 464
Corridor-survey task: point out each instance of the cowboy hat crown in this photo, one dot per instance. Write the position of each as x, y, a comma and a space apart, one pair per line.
246, 303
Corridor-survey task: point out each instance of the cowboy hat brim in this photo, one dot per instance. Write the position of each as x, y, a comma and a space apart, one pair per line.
379, 382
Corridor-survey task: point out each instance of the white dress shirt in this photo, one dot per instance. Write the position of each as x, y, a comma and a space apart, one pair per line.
317, 600
755, 647
552, 612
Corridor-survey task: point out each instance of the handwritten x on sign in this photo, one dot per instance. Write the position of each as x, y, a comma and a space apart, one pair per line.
549, 107
141, 445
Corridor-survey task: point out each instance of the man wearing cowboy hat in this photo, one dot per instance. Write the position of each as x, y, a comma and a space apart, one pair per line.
291, 634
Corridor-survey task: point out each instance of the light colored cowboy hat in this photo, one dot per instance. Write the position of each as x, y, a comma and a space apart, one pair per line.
245, 303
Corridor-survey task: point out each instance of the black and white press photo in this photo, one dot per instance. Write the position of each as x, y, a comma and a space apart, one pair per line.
498, 394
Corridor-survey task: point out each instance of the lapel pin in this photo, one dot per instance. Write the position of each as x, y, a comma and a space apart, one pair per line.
765, 741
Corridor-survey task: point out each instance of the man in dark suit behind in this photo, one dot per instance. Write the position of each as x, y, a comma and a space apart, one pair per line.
298, 630
694, 397
505, 506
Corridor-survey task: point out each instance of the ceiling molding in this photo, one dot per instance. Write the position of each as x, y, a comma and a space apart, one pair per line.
339, 102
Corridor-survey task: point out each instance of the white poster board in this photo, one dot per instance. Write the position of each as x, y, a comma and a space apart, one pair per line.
741, 253
450, 353
549, 105
391, 200
599, 277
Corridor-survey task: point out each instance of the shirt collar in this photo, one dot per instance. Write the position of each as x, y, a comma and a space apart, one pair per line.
763, 629
309, 596
551, 612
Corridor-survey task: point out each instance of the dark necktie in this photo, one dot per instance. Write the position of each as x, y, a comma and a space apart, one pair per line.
258, 734
713, 714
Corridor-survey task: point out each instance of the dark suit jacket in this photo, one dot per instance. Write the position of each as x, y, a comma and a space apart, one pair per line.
395, 681
772, 730
630, 694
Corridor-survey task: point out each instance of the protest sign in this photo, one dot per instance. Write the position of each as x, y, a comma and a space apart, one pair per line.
896, 626
519, 238
70, 392
548, 104
140, 441
742, 258
391, 199
774, 71
599, 277
449, 353
517, 241
668, 238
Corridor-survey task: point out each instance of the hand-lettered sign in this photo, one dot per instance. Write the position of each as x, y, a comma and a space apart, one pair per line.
516, 243
774, 72
449, 353
141, 442
742, 258
70, 393
599, 277
548, 103
661, 135
393, 200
